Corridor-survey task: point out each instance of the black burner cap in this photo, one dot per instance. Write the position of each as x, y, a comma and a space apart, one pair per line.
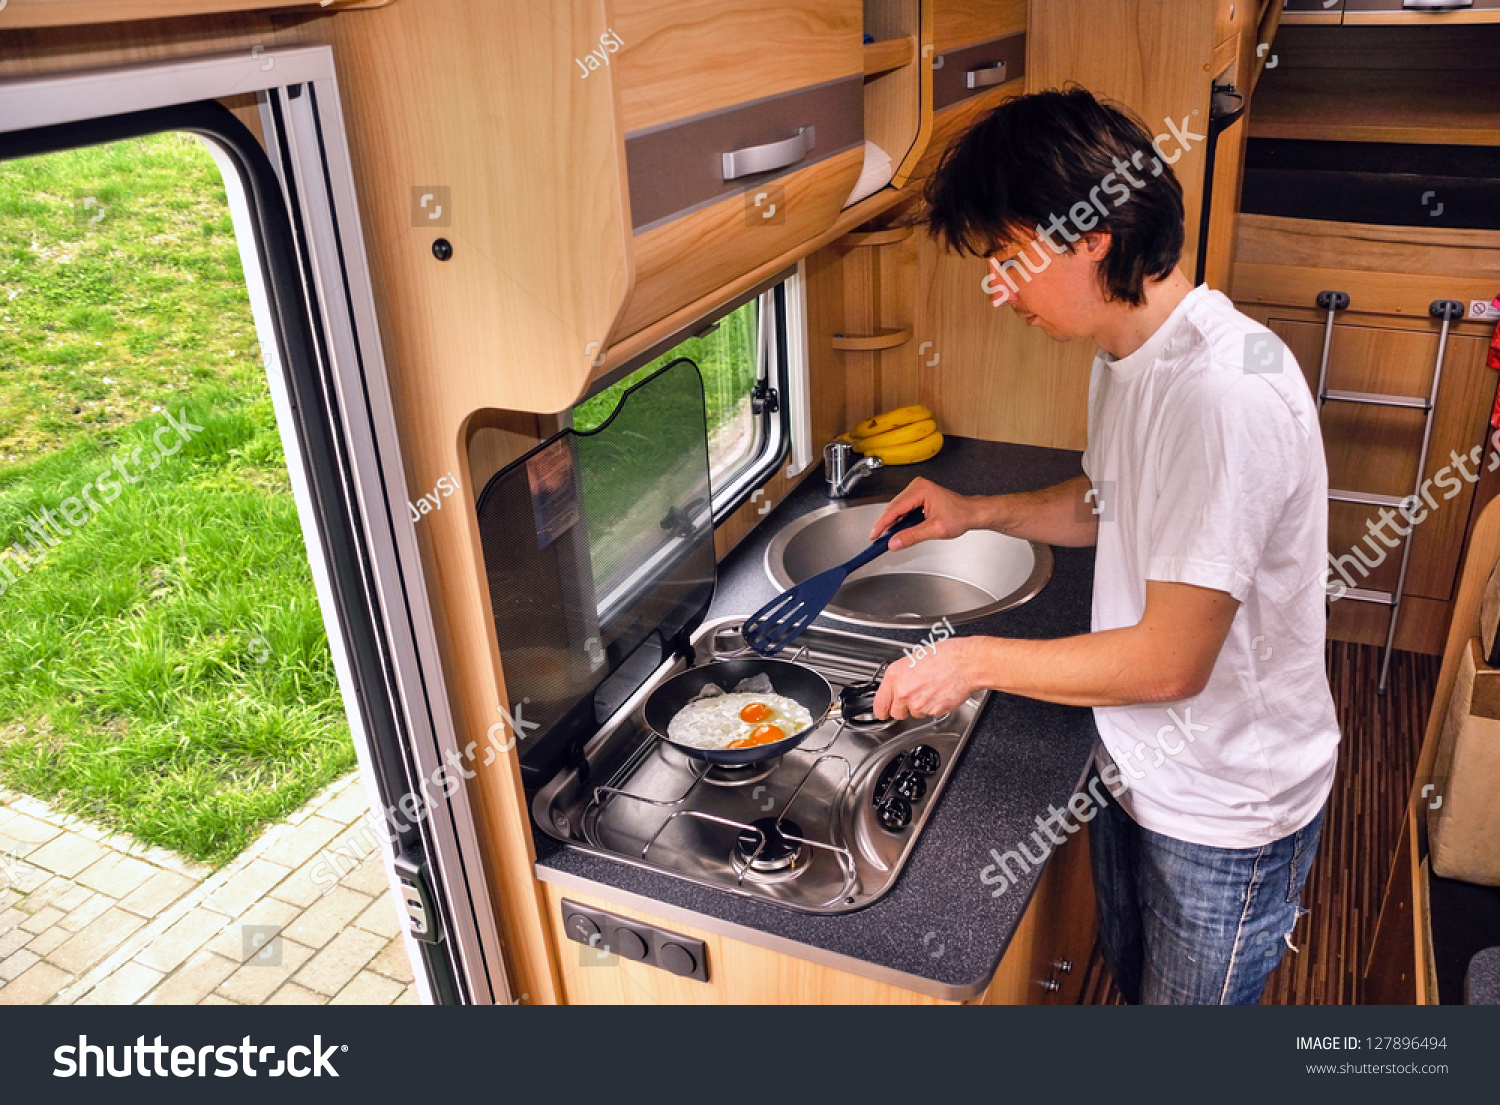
777, 847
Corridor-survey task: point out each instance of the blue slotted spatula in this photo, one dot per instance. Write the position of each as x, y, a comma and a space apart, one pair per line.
780, 621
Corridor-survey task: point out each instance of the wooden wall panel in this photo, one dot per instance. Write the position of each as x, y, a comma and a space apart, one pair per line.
1153, 56
998, 379
1375, 448
1385, 342
898, 370
995, 378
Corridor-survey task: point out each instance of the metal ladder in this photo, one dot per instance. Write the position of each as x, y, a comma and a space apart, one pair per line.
1448, 310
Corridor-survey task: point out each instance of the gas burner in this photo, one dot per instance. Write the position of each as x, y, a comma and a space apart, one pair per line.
763, 848
873, 725
737, 775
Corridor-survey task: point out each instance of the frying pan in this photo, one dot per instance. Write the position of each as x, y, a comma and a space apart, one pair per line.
795, 681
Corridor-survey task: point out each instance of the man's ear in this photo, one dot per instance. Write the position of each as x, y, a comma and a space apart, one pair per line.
1095, 244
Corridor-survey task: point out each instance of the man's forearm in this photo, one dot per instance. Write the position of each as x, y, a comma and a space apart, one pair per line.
1057, 515
1114, 667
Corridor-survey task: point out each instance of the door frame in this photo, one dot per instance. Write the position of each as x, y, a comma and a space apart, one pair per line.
320, 340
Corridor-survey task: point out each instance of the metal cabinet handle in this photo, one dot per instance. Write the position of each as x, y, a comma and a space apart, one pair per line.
1436, 5
985, 76
773, 155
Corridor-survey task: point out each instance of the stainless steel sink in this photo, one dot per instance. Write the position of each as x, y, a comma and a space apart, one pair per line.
964, 579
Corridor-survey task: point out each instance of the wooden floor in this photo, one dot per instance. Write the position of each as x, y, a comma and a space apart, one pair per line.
1377, 759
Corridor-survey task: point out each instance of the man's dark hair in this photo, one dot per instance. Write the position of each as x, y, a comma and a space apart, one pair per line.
1035, 157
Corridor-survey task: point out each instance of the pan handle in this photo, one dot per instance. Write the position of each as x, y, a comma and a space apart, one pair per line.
857, 703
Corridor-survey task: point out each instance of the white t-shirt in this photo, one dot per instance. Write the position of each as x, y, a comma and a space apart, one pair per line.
1209, 474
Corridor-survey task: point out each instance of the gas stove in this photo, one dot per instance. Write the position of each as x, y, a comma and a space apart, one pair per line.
825, 828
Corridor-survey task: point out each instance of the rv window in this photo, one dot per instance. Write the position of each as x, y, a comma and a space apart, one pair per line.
740, 356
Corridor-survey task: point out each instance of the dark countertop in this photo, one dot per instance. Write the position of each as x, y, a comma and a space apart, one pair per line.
939, 924
1482, 986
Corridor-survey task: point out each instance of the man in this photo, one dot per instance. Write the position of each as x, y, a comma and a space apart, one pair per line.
1206, 495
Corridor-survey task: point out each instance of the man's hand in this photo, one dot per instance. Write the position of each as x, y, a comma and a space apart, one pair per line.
929, 686
949, 514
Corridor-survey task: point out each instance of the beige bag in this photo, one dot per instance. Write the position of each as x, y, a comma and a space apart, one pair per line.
1463, 809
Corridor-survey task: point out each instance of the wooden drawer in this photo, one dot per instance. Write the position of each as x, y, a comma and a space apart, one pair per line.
956, 107
684, 258
677, 168
689, 58
975, 70
959, 23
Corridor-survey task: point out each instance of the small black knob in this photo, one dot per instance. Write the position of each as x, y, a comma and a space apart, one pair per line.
677, 959
630, 944
895, 814
442, 249
911, 786
580, 927
925, 759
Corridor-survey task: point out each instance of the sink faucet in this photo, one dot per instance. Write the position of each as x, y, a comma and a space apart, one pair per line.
841, 476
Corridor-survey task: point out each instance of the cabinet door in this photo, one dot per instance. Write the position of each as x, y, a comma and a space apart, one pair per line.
693, 57
958, 23
1375, 449
778, 87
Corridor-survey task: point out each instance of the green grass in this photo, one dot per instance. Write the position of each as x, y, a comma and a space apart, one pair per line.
725, 357
164, 670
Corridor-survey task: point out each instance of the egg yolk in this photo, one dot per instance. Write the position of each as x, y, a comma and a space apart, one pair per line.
756, 711
761, 734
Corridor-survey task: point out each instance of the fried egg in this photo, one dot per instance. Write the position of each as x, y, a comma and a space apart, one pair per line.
726, 720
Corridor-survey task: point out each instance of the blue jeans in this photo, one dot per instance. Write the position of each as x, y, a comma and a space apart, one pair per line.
1186, 924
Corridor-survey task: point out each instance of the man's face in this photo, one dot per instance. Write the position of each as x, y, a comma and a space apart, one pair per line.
1064, 298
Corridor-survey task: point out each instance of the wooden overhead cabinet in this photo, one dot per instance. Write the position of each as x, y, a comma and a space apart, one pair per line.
743, 131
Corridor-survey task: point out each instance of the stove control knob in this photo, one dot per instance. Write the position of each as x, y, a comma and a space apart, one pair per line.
895, 814
630, 944
911, 786
677, 959
581, 927
925, 759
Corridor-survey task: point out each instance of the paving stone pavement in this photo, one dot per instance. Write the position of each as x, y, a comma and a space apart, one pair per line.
98, 918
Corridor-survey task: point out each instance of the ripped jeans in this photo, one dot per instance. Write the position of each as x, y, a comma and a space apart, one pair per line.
1186, 924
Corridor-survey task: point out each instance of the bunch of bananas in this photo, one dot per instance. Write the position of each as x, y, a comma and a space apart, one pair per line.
905, 435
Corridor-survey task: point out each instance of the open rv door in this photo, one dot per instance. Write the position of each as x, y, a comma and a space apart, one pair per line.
298, 229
